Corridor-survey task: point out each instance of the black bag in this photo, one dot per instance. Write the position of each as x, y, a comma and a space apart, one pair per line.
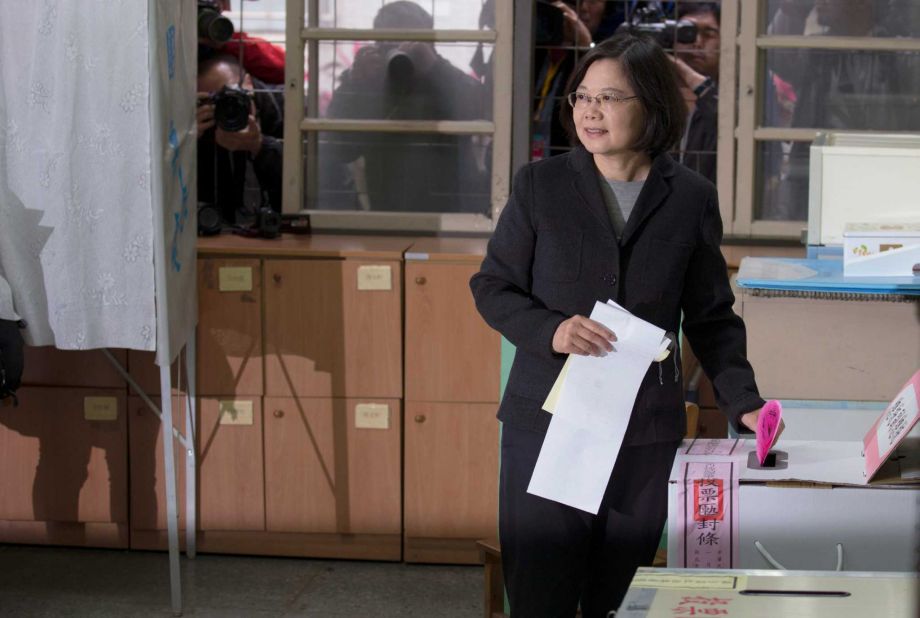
10, 358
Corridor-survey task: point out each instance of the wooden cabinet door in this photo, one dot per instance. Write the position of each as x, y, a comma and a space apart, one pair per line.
451, 353
229, 327
326, 338
48, 366
231, 490
451, 473
56, 465
323, 474
148, 474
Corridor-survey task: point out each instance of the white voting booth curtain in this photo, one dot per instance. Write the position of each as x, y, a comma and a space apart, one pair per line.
97, 171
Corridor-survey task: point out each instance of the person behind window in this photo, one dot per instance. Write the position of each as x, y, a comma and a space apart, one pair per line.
614, 218
262, 59
561, 27
697, 67
225, 157
404, 171
830, 89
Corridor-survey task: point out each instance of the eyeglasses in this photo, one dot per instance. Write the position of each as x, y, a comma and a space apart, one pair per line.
581, 100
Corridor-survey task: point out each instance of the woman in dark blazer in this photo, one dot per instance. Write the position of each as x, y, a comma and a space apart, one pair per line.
615, 218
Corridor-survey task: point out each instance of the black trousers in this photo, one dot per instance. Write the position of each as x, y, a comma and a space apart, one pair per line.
555, 556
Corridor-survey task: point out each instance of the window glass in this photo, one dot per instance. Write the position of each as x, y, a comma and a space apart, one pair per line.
403, 172
852, 89
782, 182
864, 18
439, 14
389, 80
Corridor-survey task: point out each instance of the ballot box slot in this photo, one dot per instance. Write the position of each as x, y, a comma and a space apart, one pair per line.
795, 593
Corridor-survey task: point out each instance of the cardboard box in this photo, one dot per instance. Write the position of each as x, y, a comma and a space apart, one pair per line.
881, 250
665, 593
819, 505
799, 513
838, 192
837, 350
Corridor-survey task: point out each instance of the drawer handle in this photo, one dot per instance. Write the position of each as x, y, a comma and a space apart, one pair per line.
277, 277
420, 280
419, 418
278, 413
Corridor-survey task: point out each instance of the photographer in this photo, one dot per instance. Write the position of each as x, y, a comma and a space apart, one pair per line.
225, 153
261, 58
404, 81
560, 29
697, 65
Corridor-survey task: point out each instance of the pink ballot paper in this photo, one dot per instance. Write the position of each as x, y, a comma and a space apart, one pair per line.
767, 426
890, 428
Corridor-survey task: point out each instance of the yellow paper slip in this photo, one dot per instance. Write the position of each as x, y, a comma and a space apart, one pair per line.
553, 398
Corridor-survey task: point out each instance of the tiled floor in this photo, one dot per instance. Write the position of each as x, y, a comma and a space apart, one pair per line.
42, 581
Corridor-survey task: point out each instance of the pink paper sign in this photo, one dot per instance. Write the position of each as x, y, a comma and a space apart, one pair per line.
708, 528
890, 428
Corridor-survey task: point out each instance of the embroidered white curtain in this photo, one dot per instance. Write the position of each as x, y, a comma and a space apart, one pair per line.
76, 212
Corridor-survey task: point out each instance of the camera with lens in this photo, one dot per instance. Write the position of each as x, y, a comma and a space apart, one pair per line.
232, 106
385, 63
212, 26
652, 21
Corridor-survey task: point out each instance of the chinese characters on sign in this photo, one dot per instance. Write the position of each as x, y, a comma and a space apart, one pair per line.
701, 606
709, 527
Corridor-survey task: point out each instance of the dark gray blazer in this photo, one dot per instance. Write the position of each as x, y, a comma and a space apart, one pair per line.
554, 253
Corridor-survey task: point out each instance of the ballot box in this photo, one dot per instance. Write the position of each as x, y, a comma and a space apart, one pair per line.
740, 593
812, 505
811, 510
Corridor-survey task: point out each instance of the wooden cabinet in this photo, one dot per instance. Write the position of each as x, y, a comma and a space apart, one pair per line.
229, 326
327, 477
48, 366
452, 386
451, 478
231, 488
451, 353
148, 474
64, 475
327, 337
299, 476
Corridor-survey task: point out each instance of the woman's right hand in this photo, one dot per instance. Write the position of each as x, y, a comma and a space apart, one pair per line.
583, 336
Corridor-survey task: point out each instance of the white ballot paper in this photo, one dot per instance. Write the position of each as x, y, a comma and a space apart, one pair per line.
592, 411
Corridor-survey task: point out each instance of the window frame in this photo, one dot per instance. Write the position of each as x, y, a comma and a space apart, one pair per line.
300, 39
743, 54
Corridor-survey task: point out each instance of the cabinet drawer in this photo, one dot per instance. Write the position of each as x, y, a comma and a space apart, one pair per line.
451, 353
324, 473
229, 327
324, 337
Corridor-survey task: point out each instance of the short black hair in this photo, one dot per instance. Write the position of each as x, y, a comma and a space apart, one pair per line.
209, 64
653, 79
696, 8
403, 14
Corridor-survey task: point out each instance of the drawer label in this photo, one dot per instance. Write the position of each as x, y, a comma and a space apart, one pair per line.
235, 279
375, 277
100, 408
235, 412
372, 416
